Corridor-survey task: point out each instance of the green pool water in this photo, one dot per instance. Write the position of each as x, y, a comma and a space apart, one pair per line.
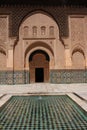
42, 113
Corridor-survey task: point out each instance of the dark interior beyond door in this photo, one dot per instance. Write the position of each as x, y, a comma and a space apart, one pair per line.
39, 74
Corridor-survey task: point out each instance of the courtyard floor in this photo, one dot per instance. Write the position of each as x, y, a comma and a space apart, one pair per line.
76, 92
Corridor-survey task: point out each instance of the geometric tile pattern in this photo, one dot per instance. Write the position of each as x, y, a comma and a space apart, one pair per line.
16, 77
56, 76
9, 77
68, 76
19, 77
27, 81
2, 77
42, 113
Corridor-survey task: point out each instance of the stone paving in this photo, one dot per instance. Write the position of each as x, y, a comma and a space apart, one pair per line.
78, 92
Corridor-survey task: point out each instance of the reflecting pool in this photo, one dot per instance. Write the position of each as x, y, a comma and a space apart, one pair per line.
56, 112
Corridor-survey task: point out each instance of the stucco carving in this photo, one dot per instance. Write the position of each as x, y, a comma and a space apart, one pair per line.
78, 60
77, 30
85, 29
3, 28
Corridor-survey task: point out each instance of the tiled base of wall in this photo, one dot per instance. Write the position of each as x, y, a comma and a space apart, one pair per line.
68, 76
56, 76
3, 77
14, 77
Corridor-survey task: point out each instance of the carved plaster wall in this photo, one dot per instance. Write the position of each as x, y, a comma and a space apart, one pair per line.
39, 30
78, 41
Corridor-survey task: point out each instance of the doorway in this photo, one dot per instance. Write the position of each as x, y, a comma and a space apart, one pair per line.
39, 66
39, 74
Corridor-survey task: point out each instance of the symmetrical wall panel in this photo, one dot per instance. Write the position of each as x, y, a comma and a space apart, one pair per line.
70, 42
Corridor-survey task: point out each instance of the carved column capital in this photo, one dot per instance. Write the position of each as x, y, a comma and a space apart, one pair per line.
12, 41
66, 42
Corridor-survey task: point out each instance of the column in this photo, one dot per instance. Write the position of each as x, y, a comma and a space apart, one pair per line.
68, 58
10, 53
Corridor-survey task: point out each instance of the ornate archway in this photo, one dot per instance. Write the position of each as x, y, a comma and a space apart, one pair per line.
39, 66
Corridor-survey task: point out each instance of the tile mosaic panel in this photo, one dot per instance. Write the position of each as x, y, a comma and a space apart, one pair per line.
9, 77
26, 77
19, 77
3, 79
56, 76
68, 76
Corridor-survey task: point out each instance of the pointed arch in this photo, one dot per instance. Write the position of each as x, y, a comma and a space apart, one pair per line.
39, 46
36, 11
78, 58
39, 52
